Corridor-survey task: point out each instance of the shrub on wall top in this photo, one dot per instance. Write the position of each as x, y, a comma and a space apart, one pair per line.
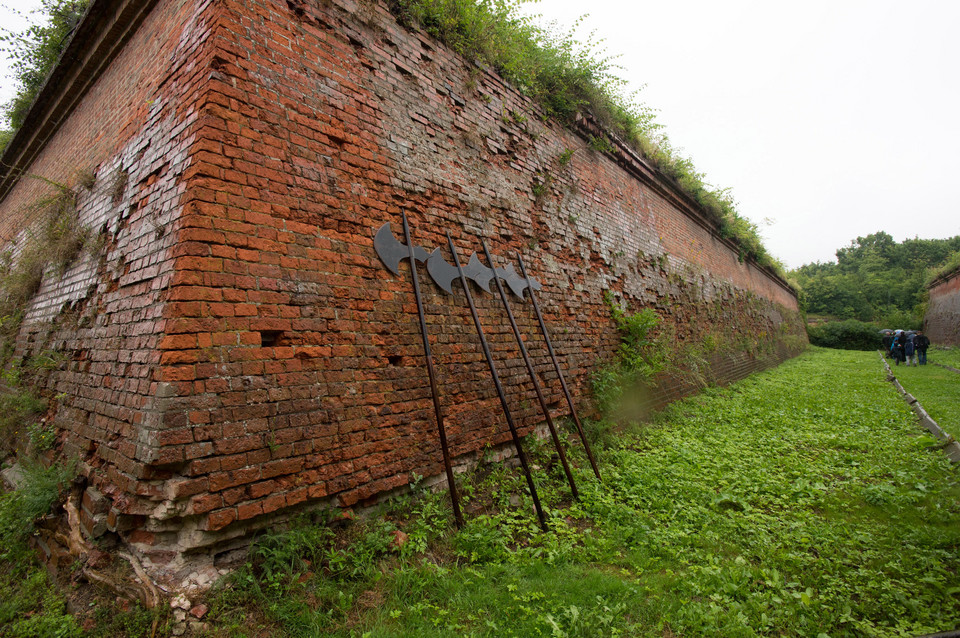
569, 77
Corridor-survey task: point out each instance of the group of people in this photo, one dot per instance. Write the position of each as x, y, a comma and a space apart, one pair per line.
907, 346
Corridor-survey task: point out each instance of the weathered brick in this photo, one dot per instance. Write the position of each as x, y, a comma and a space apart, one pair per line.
219, 519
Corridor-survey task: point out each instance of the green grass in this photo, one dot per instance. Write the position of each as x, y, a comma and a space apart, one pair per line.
946, 356
801, 502
938, 391
30, 606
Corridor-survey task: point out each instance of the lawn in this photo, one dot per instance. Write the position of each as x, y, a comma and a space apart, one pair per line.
803, 501
946, 356
938, 391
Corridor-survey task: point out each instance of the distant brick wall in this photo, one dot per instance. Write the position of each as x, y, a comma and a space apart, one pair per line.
942, 320
239, 350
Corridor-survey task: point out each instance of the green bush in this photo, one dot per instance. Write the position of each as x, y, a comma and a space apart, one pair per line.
637, 359
845, 335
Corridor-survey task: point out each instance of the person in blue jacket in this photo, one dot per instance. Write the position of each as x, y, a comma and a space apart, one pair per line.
899, 345
909, 350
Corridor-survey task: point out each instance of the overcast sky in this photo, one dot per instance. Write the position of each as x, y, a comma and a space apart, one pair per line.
829, 120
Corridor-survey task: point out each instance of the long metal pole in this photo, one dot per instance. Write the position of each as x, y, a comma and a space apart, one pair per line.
556, 365
496, 381
454, 497
533, 375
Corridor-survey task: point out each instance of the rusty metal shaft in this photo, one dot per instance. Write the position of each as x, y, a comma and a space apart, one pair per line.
533, 376
496, 381
454, 497
556, 365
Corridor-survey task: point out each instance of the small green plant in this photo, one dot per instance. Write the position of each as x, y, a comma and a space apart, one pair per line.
118, 185
42, 436
637, 361
539, 190
21, 403
40, 488
564, 158
19, 410
601, 144
86, 179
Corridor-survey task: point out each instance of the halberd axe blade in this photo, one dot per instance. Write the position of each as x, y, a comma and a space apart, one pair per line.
442, 273
480, 274
392, 252
516, 282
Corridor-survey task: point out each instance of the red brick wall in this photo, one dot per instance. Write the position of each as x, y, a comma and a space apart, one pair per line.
106, 316
250, 353
942, 321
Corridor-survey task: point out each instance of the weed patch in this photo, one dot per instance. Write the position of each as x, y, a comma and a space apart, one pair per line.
635, 363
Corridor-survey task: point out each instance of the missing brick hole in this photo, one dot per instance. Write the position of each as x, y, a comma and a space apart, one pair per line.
270, 338
297, 7
395, 359
217, 63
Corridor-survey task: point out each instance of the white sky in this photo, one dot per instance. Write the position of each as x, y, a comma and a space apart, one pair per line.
834, 119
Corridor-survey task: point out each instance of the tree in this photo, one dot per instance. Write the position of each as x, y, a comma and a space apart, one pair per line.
35, 51
875, 278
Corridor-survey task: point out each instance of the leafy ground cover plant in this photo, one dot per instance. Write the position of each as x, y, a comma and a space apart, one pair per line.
804, 501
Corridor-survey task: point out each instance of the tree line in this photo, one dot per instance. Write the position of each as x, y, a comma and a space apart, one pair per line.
875, 279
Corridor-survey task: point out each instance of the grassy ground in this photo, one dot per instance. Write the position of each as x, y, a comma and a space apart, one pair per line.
801, 502
938, 391
946, 356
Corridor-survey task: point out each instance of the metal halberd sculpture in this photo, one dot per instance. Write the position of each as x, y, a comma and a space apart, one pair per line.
392, 252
